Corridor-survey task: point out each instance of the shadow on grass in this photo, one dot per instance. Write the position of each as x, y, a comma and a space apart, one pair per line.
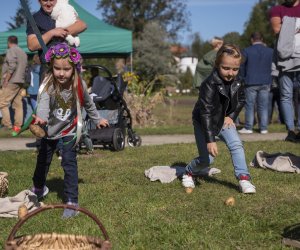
180, 169
292, 232
57, 185
291, 236
220, 182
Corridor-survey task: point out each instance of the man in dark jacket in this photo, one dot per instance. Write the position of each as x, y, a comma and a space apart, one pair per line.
256, 71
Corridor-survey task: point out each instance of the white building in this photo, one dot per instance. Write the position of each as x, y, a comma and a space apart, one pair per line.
187, 62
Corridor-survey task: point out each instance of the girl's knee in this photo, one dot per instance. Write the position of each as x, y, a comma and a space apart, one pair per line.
235, 144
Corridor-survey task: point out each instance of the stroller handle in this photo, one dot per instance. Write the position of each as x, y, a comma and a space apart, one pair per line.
102, 68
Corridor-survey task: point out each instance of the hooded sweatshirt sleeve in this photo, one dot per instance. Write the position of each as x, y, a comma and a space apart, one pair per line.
43, 107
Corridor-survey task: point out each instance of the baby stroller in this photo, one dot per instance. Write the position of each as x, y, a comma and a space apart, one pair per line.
107, 93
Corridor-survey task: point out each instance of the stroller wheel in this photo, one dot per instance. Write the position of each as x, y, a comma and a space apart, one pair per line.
134, 141
118, 140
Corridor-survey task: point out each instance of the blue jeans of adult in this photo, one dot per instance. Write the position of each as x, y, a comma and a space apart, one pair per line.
233, 142
258, 96
287, 83
69, 164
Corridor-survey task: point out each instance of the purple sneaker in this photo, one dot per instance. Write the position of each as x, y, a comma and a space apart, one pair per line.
68, 213
40, 192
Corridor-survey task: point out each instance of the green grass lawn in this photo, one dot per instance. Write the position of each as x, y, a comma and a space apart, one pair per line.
139, 214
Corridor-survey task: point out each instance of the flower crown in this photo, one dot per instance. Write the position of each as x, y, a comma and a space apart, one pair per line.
62, 50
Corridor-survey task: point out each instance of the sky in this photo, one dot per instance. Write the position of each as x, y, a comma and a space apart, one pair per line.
207, 17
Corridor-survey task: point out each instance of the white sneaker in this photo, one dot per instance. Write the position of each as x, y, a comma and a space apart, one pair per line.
187, 181
245, 131
264, 132
247, 187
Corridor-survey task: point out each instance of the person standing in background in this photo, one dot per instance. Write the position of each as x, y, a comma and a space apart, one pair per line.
206, 64
256, 71
50, 34
33, 88
288, 79
13, 78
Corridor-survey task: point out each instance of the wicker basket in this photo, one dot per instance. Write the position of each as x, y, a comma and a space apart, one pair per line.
55, 241
3, 184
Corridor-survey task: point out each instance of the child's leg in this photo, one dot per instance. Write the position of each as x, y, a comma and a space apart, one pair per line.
44, 159
235, 146
204, 159
199, 163
69, 164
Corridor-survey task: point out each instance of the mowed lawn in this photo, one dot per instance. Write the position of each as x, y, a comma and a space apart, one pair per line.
140, 214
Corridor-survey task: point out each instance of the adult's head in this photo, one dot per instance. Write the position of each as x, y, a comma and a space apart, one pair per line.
290, 3
216, 42
47, 5
228, 61
12, 41
256, 37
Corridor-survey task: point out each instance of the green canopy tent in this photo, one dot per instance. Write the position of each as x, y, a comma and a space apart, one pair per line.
99, 40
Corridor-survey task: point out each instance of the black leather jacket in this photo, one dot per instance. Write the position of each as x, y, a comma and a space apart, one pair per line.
213, 102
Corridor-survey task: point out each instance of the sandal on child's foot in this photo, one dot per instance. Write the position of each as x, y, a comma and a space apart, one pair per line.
68, 213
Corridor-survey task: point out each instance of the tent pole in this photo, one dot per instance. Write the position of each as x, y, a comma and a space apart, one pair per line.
131, 69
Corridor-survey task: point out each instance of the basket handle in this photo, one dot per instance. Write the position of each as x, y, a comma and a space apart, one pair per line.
3, 174
46, 207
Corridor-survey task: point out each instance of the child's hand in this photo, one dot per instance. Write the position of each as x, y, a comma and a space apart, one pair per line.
102, 123
212, 148
38, 120
228, 122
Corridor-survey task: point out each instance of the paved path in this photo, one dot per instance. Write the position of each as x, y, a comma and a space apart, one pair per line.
28, 143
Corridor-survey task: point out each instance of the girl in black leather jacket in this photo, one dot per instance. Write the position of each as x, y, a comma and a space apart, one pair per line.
221, 98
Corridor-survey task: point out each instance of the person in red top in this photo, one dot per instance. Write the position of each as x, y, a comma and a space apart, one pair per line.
287, 79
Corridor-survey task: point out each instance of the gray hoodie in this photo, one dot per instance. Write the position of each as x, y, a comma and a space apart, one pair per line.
288, 56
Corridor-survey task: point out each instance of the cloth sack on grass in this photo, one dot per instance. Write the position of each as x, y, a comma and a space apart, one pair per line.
9, 206
282, 162
166, 174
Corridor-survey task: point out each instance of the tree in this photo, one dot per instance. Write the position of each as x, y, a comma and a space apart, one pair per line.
20, 18
186, 79
135, 14
259, 21
152, 55
197, 46
232, 37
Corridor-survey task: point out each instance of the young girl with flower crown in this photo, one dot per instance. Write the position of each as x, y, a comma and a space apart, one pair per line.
62, 96
221, 98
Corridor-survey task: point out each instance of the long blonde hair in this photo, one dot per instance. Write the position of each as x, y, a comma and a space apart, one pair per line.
50, 81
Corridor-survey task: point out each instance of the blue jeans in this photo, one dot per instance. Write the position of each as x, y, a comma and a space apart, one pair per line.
257, 95
234, 144
286, 84
69, 164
